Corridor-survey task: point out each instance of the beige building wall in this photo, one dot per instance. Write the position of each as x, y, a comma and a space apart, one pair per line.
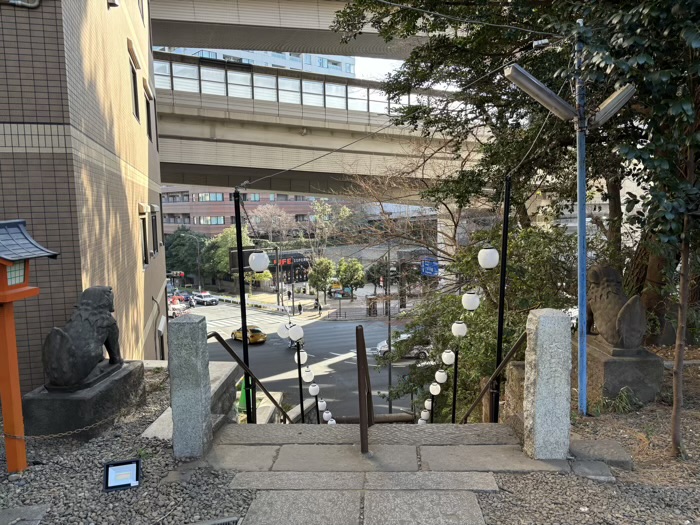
79, 166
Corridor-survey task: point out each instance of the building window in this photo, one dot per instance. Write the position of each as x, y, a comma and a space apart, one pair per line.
289, 90
244, 196
254, 197
250, 61
154, 231
231, 58
335, 65
144, 240
321, 62
272, 197
185, 197
301, 218
149, 125
135, 90
186, 78
298, 198
295, 57
205, 54
213, 81
239, 85
307, 59
335, 96
282, 197
186, 219
265, 87
162, 73
357, 98
209, 220
350, 68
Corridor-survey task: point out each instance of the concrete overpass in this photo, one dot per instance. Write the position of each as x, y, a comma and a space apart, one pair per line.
300, 26
221, 124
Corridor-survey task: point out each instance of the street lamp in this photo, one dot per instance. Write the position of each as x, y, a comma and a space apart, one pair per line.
314, 389
296, 333
434, 391
550, 100
327, 416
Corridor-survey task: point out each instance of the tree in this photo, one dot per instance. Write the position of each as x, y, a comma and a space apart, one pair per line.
351, 274
272, 219
181, 250
320, 276
327, 220
255, 277
217, 253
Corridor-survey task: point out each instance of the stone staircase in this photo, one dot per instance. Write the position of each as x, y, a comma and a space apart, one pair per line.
316, 474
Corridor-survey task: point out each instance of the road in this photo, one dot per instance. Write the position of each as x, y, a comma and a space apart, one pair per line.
332, 357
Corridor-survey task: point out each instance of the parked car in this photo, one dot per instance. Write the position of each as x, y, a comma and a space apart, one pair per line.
417, 352
255, 334
205, 298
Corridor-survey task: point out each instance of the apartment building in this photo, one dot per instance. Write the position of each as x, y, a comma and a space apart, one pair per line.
209, 210
79, 162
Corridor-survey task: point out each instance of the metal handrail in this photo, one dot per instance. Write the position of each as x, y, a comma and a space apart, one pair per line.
496, 373
247, 370
364, 389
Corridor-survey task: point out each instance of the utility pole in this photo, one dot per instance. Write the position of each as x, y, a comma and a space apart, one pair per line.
387, 291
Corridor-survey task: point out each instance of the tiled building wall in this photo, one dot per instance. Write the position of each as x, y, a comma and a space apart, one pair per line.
75, 163
36, 170
116, 164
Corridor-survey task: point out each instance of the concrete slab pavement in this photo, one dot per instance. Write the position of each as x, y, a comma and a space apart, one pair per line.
346, 458
485, 458
432, 507
296, 507
31, 515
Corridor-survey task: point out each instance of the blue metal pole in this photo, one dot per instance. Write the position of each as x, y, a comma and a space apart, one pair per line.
581, 209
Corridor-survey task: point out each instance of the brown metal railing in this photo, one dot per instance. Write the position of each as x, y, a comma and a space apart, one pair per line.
247, 370
364, 389
496, 373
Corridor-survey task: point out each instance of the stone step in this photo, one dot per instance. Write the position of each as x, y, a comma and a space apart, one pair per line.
350, 507
416, 435
466, 481
381, 458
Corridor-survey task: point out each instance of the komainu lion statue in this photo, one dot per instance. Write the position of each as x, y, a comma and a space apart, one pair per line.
73, 354
617, 319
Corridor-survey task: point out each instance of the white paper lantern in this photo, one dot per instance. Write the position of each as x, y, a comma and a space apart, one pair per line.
422, 422
471, 301
314, 389
322, 405
459, 329
435, 389
428, 404
488, 258
441, 376
425, 415
448, 357
327, 416
296, 332
307, 375
303, 357
283, 330
258, 261
331, 421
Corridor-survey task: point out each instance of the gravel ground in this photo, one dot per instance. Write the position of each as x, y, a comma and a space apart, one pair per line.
557, 499
68, 475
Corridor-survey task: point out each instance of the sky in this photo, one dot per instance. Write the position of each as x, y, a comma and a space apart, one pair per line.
374, 68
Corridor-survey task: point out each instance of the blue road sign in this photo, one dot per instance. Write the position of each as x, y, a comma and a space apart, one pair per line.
429, 268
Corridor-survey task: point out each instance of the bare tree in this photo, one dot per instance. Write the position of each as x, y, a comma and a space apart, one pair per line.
272, 219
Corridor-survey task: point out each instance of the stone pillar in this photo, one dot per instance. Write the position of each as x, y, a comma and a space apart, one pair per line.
190, 390
547, 403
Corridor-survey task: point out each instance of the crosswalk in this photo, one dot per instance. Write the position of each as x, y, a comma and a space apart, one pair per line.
226, 317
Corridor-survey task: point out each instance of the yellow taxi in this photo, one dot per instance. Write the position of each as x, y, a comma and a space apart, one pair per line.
255, 334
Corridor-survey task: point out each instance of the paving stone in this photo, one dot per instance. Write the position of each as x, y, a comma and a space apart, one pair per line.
606, 450
299, 480
288, 434
177, 476
471, 481
471, 434
242, 458
23, 515
485, 458
434, 508
346, 458
296, 507
595, 470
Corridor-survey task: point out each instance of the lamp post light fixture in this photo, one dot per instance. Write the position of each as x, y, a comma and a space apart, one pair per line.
327, 416
471, 301
331, 421
434, 391
428, 404
259, 261
422, 422
425, 414
459, 329
322, 405
314, 389
307, 375
488, 258
301, 356
562, 109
